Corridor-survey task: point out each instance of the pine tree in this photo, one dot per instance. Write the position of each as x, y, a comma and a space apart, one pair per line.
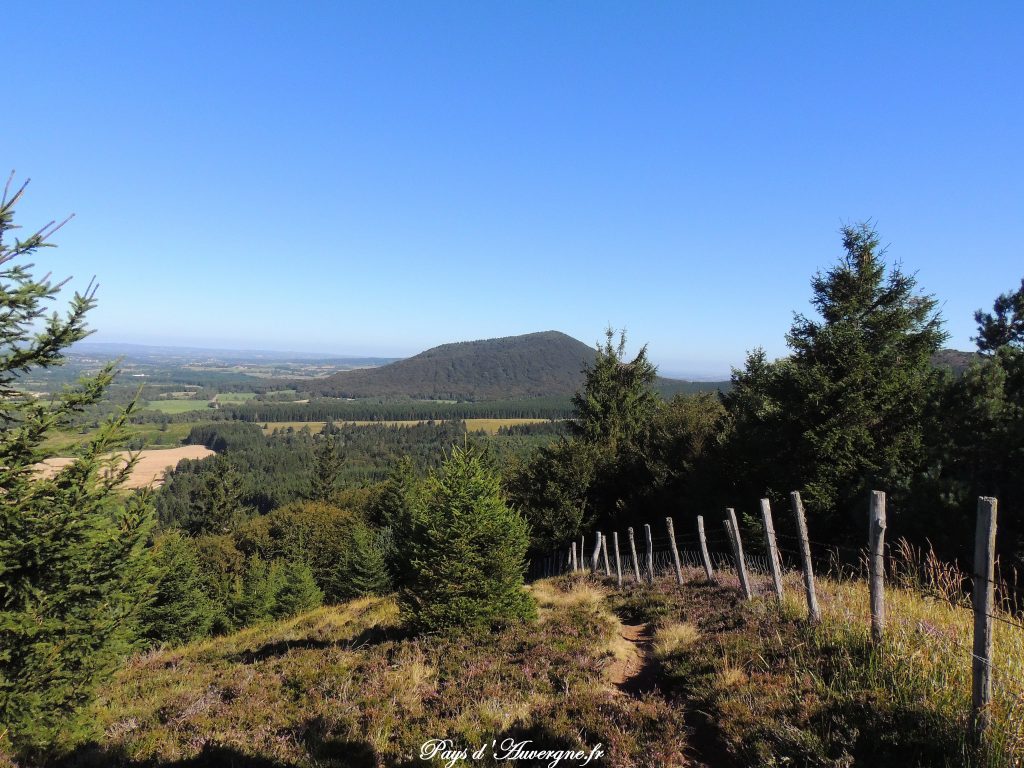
466, 552
846, 412
181, 609
297, 592
367, 567
73, 566
256, 592
327, 468
1004, 326
617, 402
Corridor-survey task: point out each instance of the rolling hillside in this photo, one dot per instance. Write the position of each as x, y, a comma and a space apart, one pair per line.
543, 364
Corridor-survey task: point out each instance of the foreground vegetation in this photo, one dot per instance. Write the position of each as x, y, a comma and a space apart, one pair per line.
724, 682
348, 686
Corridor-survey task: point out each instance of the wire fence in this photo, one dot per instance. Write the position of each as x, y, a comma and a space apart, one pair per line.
994, 597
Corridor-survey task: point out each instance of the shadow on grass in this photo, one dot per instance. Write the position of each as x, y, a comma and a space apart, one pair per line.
212, 756
367, 638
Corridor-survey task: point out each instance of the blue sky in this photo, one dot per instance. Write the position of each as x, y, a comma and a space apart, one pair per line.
377, 178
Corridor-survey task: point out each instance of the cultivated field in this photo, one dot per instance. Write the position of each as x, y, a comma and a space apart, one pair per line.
149, 469
490, 426
176, 406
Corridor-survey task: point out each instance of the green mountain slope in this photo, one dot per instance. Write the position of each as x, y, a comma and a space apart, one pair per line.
543, 364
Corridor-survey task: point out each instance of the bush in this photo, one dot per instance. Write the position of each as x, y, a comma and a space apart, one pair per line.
466, 552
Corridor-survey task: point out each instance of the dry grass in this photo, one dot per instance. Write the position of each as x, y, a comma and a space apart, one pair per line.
346, 685
674, 637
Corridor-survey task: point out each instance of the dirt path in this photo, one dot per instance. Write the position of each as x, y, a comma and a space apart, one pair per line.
635, 673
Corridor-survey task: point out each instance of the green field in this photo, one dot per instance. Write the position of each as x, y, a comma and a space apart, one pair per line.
152, 436
175, 406
234, 397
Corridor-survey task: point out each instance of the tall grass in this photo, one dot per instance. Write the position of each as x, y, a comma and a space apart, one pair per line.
924, 661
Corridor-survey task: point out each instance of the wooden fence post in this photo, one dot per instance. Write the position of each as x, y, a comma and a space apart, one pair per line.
876, 563
604, 554
596, 563
650, 553
813, 612
733, 529
583, 556
704, 549
984, 593
675, 551
773, 547
618, 560
636, 561
572, 557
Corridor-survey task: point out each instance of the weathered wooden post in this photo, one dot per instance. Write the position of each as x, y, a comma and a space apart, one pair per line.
636, 561
984, 593
813, 612
596, 561
604, 554
733, 529
650, 553
704, 549
618, 560
876, 563
572, 557
675, 551
583, 556
773, 547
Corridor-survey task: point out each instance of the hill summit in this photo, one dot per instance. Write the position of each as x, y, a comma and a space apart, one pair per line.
543, 364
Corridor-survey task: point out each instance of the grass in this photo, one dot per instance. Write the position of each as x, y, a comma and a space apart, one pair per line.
776, 691
172, 407
675, 637
737, 683
347, 686
65, 442
234, 397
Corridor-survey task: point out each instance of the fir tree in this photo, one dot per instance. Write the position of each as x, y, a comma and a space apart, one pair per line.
466, 552
297, 592
73, 568
367, 567
845, 413
181, 609
617, 402
256, 592
327, 467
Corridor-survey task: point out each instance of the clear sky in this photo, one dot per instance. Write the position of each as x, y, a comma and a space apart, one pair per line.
378, 178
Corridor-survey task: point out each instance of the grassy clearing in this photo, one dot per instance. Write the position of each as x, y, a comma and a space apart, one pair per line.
172, 407
145, 435
347, 686
234, 397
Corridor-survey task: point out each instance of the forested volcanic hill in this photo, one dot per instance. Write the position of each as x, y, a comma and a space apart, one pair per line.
533, 365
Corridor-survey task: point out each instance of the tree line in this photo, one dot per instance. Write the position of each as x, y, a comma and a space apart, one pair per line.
856, 405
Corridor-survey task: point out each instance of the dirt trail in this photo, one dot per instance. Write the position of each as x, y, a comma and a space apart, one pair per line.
635, 674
